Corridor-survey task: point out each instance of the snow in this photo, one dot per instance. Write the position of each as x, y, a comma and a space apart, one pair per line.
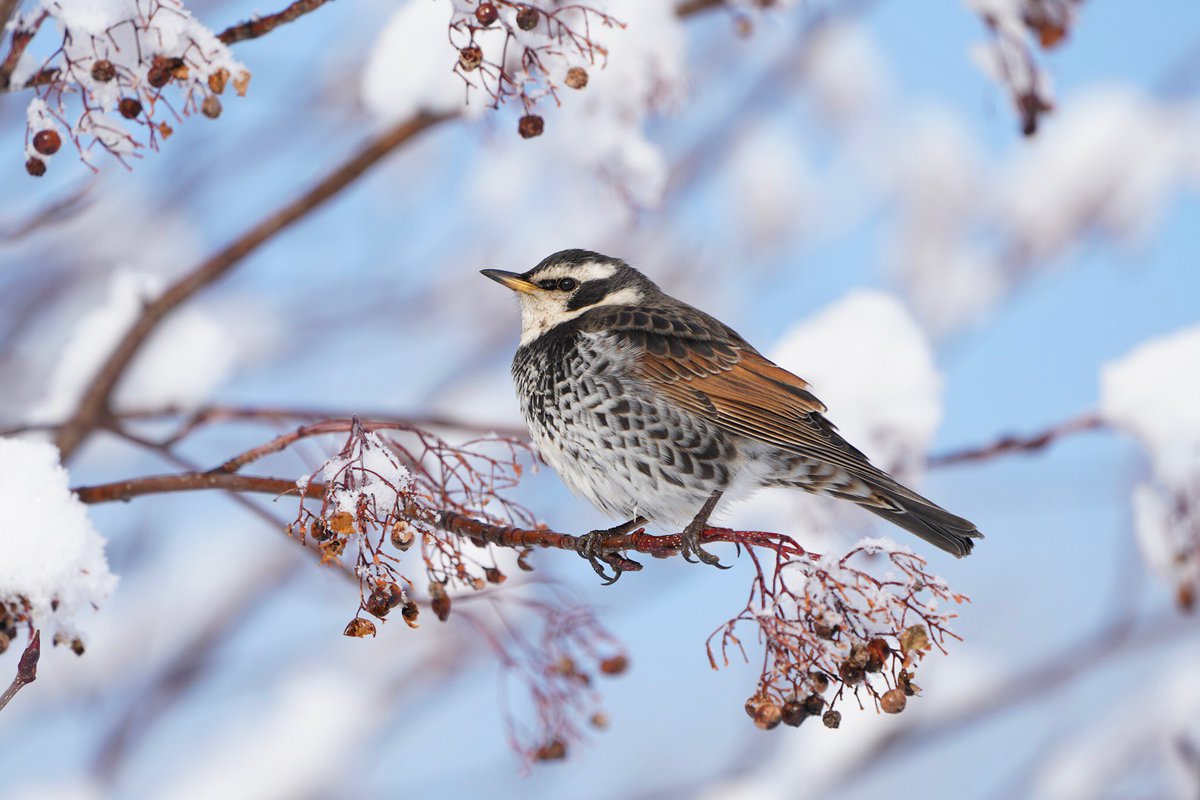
410, 67
370, 476
1153, 393
845, 74
872, 366
53, 557
159, 377
129, 34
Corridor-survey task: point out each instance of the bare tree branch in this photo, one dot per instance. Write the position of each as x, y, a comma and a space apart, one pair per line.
1032, 443
261, 26
94, 407
26, 669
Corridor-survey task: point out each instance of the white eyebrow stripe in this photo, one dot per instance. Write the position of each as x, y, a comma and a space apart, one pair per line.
591, 271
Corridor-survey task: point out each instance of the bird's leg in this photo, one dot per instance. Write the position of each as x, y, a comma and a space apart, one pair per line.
588, 546
690, 538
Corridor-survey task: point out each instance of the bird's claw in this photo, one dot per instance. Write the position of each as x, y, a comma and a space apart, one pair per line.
588, 547
690, 545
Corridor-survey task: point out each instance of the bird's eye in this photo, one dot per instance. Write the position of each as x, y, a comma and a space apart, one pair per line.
567, 284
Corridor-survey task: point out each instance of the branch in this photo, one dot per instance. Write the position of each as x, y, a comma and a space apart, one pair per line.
261, 26
94, 406
1006, 445
26, 669
660, 546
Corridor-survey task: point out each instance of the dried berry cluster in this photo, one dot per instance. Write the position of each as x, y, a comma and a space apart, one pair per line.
15, 615
555, 670
830, 630
384, 494
511, 49
119, 89
1012, 58
386, 491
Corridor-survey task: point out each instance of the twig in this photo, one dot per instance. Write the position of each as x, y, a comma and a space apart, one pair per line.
260, 26
1020, 444
94, 406
26, 669
190, 482
20, 40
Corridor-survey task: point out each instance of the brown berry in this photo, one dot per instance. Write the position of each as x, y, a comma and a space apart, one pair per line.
819, 681
166, 130
823, 630
487, 14
47, 142
893, 701
877, 653
851, 673
470, 57
158, 76
494, 575
614, 665
599, 720
383, 599
523, 562
555, 750
530, 125
211, 107
410, 611
130, 107
241, 83
103, 71
441, 607
77, 646
342, 522
320, 531
832, 719
527, 18
794, 713
768, 715
35, 167
577, 77
814, 704
402, 536
359, 628
217, 80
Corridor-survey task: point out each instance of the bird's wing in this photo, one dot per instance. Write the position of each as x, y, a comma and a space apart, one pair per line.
706, 368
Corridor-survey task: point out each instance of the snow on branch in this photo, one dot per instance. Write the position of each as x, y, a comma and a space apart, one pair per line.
124, 72
1153, 393
53, 566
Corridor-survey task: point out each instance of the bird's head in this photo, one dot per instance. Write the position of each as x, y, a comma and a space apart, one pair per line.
569, 283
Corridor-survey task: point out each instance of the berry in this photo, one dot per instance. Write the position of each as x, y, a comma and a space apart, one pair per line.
527, 18
555, 750
470, 57
487, 14
893, 701
342, 522
103, 71
530, 125
577, 77
216, 81
35, 167
359, 628
794, 713
402, 536
614, 665
130, 107
832, 719
211, 107
47, 142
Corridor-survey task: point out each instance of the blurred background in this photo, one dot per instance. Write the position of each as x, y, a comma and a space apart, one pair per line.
847, 184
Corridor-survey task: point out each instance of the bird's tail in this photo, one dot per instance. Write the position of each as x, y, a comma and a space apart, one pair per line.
903, 507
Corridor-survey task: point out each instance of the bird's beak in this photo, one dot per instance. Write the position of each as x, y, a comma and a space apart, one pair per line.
510, 279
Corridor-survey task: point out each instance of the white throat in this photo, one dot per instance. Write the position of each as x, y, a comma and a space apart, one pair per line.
541, 313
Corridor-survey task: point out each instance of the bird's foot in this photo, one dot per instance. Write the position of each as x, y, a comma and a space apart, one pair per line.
589, 547
690, 545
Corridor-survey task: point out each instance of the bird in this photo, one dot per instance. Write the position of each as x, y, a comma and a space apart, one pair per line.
655, 411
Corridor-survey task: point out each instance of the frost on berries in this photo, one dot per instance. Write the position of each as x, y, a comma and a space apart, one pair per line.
1009, 58
830, 630
123, 68
526, 51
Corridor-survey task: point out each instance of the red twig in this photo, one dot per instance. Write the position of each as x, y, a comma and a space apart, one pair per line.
26, 669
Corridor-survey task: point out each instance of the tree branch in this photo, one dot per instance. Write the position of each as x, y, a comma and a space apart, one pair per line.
1006, 445
94, 406
261, 26
26, 669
